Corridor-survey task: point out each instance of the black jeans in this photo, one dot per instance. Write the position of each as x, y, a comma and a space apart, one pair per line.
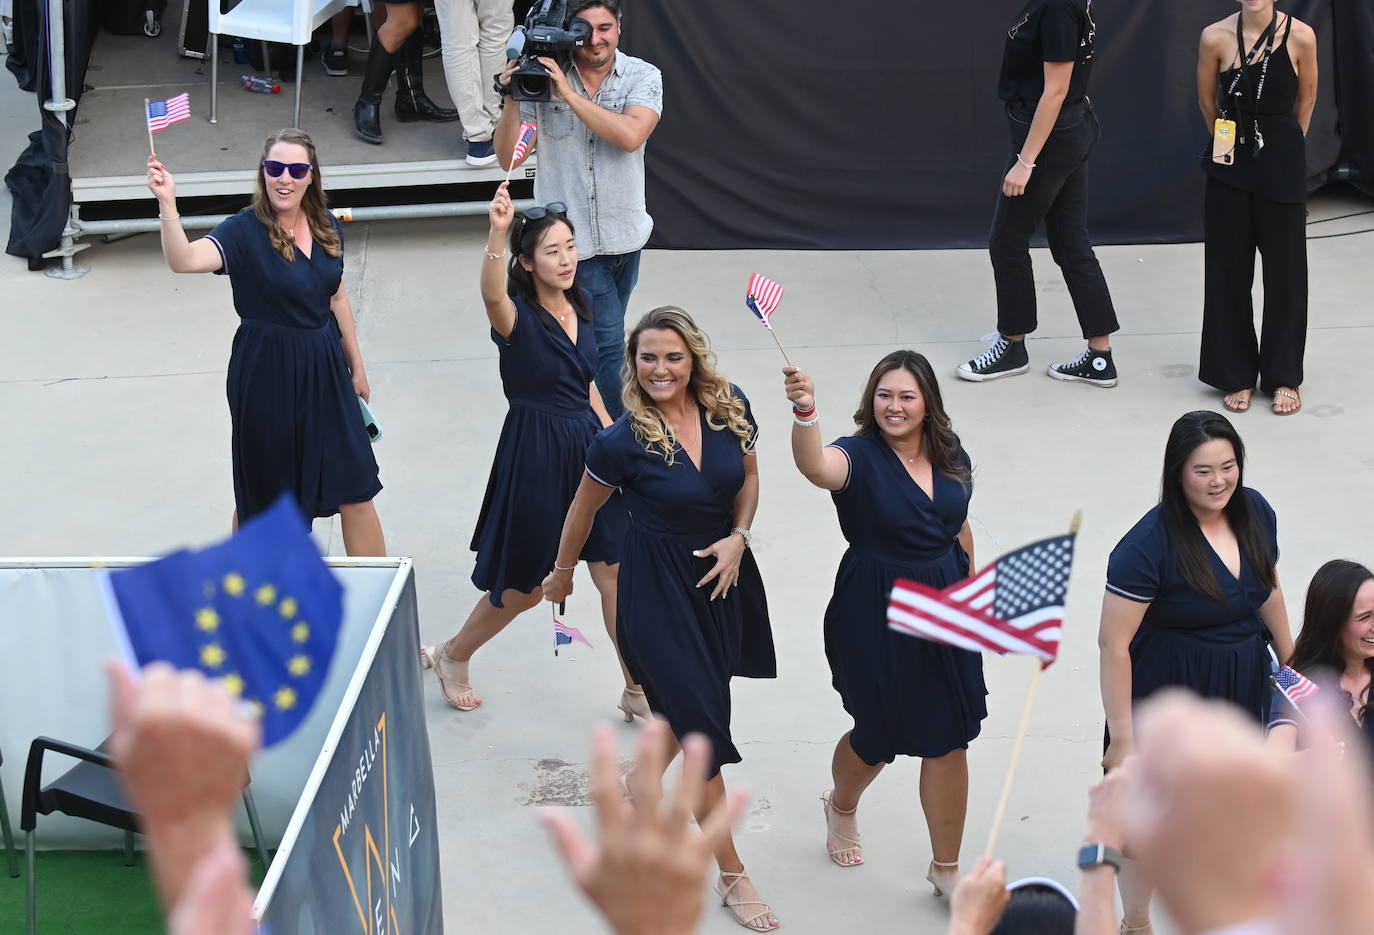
1058, 195
1235, 224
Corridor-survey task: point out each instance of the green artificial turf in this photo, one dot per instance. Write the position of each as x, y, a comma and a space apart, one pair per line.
86, 893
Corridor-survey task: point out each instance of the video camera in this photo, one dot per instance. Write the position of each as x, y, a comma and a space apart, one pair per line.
548, 31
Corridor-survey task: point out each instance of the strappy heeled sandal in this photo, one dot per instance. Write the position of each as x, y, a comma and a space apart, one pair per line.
930, 873
633, 704
1146, 929
851, 844
761, 921
453, 684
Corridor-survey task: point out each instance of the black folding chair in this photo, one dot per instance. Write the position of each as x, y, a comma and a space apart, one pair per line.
91, 789
10, 859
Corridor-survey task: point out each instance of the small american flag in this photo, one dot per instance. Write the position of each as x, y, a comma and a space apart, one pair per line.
1295, 685
1015, 605
522, 145
763, 298
162, 114
564, 635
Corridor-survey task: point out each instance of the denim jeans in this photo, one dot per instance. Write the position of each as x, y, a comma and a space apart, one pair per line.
1058, 195
610, 280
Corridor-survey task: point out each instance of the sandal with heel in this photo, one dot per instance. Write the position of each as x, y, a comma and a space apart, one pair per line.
633, 705
761, 921
944, 865
452, 676
852, 845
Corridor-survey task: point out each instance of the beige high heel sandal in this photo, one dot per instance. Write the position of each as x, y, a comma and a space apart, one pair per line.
447, 671
633, 704
759, 921
930, 873
850, 844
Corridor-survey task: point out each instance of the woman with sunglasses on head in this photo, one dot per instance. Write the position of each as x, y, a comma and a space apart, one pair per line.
1256, 86
1192, 599
296, 371
901, 485
691, 611
540, 320
1337, 638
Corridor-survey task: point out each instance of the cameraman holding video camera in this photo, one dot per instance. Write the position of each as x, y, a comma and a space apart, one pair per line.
591, 136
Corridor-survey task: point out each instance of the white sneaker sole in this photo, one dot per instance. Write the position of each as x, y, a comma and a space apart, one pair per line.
983, 377
1071, 378
479, 161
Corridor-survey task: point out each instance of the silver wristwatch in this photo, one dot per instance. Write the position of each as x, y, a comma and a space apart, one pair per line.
748, 536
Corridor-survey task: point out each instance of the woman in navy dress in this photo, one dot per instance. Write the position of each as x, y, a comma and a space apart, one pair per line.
691, 611
541, 323
1193, 597
295, 371
901, 485
1337, 636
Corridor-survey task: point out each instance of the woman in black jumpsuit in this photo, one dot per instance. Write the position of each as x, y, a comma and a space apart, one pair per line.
1256, 202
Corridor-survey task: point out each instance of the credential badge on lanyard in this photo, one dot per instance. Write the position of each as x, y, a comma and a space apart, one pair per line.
1267, 40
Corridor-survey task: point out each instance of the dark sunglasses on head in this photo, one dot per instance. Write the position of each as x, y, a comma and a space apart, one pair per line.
274, 169
537, 212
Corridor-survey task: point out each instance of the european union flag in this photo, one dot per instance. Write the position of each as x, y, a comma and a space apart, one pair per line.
260, 613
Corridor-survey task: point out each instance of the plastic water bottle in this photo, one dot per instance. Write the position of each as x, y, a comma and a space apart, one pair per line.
261, 85
240, 52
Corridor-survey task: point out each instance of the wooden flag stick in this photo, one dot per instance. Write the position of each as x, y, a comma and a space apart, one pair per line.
779, 344
152, 151
1020, 737
1015, 759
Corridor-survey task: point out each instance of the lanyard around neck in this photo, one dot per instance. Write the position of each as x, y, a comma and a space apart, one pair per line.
1266, 39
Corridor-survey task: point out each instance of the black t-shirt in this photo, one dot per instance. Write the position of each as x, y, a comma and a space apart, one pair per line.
1047, 31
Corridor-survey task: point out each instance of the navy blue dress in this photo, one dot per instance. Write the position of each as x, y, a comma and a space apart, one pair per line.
906, 695
297, 425
540, 456
1186, 638
680, 645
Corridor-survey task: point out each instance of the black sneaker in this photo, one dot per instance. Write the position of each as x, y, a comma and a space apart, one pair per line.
334, 58
1091, 366
1003, 358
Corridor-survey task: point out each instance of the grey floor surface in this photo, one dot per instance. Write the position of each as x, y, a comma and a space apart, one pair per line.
117, 443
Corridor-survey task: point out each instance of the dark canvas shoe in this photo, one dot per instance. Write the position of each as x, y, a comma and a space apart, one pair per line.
335, 60
1091, 366
1003, 358
481, 153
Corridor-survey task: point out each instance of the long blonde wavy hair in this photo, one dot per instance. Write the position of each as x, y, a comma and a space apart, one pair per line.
313, 204
724, 410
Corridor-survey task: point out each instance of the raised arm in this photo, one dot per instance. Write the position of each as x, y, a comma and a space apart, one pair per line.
827, 468
589, 498
508, 126
500, 308
1120, 620
181, 254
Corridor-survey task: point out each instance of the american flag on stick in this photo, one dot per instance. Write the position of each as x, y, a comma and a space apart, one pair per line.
763, 298
1014, 605
522, 145
564, 635
1294, 685
162, 114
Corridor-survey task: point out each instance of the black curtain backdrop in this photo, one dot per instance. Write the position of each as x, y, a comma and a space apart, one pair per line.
876, 124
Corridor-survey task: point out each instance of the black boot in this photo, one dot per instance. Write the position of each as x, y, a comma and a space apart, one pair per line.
367, 113
411, 101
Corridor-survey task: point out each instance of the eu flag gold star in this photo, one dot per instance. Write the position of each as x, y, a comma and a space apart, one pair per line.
234, 584
299, 665
207, 619
300, 632
287, 607
233, 684
212, 655
266, 595
284, 699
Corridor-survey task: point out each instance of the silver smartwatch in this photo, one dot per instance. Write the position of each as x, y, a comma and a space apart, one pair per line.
1095, 855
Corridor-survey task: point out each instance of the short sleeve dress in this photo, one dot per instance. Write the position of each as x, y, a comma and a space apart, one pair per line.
680, 645
1186, 638
540, 456
297, 426
906, 695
